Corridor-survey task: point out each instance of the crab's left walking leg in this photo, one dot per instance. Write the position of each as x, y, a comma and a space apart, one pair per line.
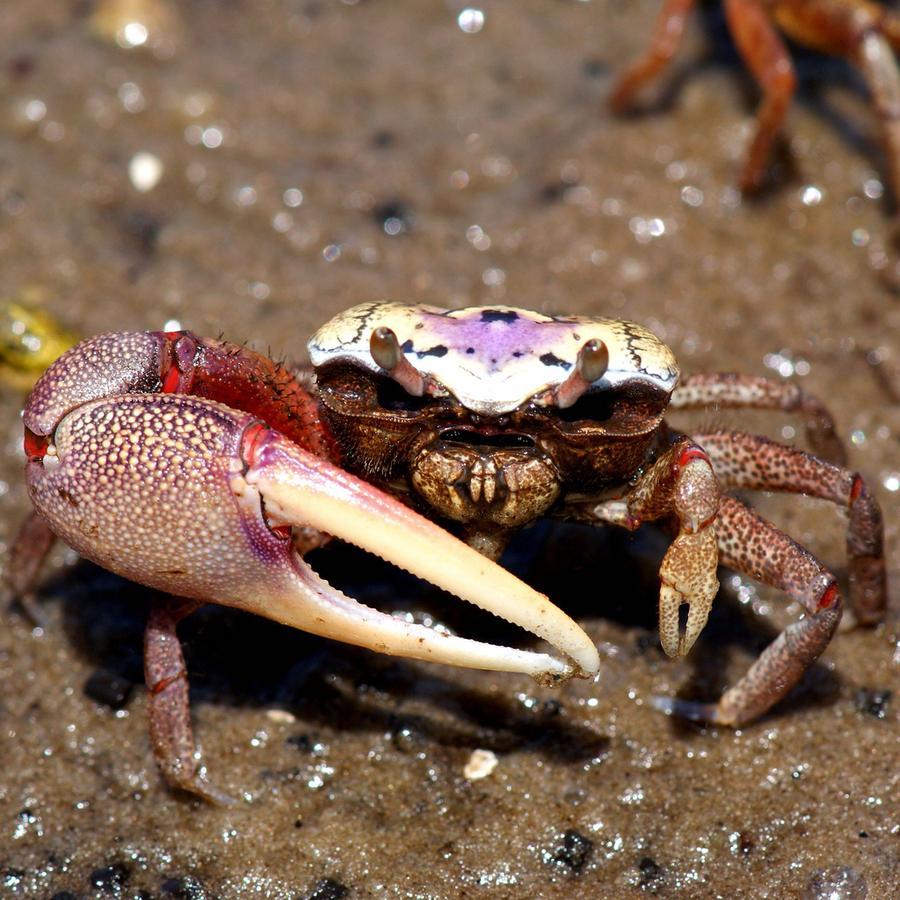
663, 46
169, 711
751, 545
679, 484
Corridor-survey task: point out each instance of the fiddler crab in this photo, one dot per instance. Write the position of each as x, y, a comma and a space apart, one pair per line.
865, 33
206, 471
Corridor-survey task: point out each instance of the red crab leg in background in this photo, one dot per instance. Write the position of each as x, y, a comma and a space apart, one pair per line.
192, 497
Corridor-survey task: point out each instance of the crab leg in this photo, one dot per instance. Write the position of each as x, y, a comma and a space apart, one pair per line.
192, 498
29, 549
767, 58
663, 46
169, 713
727, 390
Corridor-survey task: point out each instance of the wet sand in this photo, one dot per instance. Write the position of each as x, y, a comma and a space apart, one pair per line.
316, 155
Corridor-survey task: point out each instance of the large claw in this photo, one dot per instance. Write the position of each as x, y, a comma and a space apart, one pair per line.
187, 496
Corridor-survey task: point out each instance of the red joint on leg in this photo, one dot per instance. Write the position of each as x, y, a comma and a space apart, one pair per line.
159, 686
856, 489
171, 381
829, 596
689, 454
253, 441
177, 361
707, 522
35, 444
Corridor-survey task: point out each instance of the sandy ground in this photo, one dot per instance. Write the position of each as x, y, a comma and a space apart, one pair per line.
290, 135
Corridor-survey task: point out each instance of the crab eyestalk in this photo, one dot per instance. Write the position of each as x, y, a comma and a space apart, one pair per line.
388, 354
591, 366
190, 497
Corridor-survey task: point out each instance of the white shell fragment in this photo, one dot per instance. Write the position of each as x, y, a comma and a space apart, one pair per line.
494, 359
480, 764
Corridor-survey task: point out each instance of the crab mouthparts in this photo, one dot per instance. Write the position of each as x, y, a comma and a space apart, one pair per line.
494, 438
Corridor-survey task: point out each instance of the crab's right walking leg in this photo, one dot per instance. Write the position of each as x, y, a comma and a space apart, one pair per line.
663, 46
753, 546
169, 712
727, 390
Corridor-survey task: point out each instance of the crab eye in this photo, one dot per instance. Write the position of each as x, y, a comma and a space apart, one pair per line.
385, 348
593, 360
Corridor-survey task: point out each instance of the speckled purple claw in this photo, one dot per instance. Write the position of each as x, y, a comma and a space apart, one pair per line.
195, 499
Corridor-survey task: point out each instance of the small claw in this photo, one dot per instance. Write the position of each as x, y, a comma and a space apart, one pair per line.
688, 574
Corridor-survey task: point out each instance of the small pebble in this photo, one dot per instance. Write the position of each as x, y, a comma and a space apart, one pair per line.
873, 702
651, 872
328, 889
110, 879
480, 764
575, 851
187, 888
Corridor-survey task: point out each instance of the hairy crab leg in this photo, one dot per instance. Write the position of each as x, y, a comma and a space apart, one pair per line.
751, 545
679, 484
726, 390
751, 462
192, 498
